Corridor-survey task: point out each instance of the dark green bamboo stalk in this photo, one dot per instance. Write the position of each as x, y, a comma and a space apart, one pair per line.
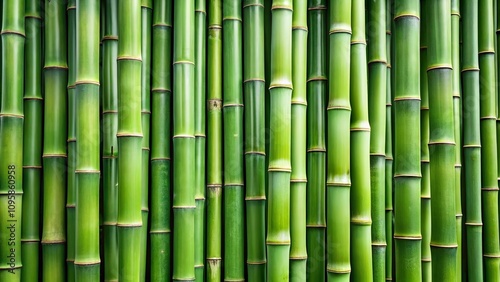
489, 184
199, 128
11, 139
472, 142
161, 132
316, 147
110, 142
279, 170
214, 142
377, 67
54, 142
362, 180
184, 140
441, 142
71, 178
407, 177
425, 188
255, 154
32, 150
87, 170
298, 178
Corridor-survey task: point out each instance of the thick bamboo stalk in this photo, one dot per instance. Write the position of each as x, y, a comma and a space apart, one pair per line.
214, 142
54, 142
316, 148
472, 143
338, 140
377, 67
32, 144
87, 170
255, 154
407, 176
425, 188
362, 176
161, 133
184, 140
441, 142
298, 178
11, 139
200, 138
279, 170
489, 184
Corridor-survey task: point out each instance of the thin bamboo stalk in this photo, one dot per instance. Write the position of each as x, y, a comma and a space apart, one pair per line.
407, 171
32, 150
316, 147
472, 143
255, 154
87, 170
161, 133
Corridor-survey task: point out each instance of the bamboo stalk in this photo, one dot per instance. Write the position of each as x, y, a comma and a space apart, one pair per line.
214, 142
279, 170
32, 144
472, 143
316, 147
161, 132
362, 176
255, 154
338, 159
407, 171
87, 170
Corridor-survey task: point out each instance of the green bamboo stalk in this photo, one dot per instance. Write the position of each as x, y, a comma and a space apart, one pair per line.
110, 142
11, 139
489, 184
425, 188
161, 132
32, 144
200, 138
255, 154
214, 142
441, 142
407, 176
279, 170
54, 142
316, 147
87, 170
472, 143
362, 175
184, 140
377, 67
339, 116
146, 23
298, 178
71, 178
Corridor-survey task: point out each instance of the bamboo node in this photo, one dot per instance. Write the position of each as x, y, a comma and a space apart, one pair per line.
179, 207
255, 153
281, 7
32, 166
200, 11
317, 78
278, 243
30, 240
53, 242
129, 58
489, 189
214, 27
289, 86
298, 257
162, 25
320, 7
33, 98
160, 159
279, 169
338, 271
439, 67
360, 129
470, 69
110, 37
298, 180
298, 27
129, 135
338, 184
129, 225
488, 118
486, 52
255, 198
298, 102
71, 8
339, 30
87, 263
253, 4
406, 15
471, 146
354, 42
109, 112
381, 61
443, 246
362, 222
12, 115
91, 82
146, 112
406, 98
36, 17
409, 238
344, 108
231, 105
87, 171
382, 155
13, 32
491, 256
396, 175
183, 136
379, 244
160, 231
233, 185
433, 143
161, 90
231, 19
253, 80
318, 150
426, 260
54, 156
256, 262
474, 224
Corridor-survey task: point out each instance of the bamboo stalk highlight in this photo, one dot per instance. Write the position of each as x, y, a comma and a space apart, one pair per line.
377, 67
407, 171
472, 143
161, 133
441, 142
279, 170
184, 140
214, 142
54, 142
298, 178
200, 138
255, 155
489, 184
362, 175
32, 144
316, 148
87, 170
338, 159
